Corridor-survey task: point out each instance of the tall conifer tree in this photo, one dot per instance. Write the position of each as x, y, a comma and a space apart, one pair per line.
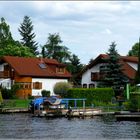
26, 31
113, 70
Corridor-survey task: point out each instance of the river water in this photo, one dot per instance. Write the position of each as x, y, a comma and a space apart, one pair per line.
24, 126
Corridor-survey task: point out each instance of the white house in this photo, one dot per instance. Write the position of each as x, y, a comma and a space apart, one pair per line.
33, 74
91, 74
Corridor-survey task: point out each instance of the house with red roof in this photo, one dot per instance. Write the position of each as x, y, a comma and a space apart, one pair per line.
91, 74
32, 74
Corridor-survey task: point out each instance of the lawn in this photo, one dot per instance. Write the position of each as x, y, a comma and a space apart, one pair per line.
16, 103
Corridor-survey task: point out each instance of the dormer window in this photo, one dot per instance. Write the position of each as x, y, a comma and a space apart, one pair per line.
42, 65
60, 70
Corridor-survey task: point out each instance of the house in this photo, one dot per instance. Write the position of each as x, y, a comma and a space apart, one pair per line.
32, 74
91, 74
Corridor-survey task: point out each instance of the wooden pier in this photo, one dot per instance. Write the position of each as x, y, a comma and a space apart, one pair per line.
14, 110
129, 116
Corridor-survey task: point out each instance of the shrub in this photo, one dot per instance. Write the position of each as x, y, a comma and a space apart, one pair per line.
45, 93
134, 103
10, 93
61, 88
93, 96
1, 99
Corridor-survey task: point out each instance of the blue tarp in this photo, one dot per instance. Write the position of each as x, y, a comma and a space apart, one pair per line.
36, 102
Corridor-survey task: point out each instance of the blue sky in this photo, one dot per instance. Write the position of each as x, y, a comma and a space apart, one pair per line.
87, 28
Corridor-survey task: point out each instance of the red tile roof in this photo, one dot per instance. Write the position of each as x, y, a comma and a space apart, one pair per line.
30, 67
127, 69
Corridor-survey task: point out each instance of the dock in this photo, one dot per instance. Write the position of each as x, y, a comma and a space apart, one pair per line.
128, 116
14, 110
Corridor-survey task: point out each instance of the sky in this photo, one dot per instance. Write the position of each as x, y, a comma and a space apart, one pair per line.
87, 28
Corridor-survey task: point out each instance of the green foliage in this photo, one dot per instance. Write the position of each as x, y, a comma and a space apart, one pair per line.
61, 88
113, 70
26, 31
14, 50
10, 93
1, 98
11, 103
92, 95
74, 66
137, 77
134, 51
54, 49
5, 34
45, 93
134, 103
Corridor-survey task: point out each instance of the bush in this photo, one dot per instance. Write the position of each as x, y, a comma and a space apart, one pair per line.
1, 99
10, 93
93, 96
134, 103
61, 88
45, 93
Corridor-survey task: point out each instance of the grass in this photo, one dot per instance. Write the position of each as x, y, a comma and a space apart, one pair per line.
16, 103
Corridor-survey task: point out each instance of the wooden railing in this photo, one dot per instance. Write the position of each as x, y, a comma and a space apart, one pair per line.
4, 74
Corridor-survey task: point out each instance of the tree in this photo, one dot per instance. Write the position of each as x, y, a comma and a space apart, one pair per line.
15, 50
134, 50
26, 31
113, 70
55, 50
5, 34
61, 88
74, 66
90, 61
137, 77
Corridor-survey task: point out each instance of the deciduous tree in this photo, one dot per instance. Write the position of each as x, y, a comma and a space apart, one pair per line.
55, 50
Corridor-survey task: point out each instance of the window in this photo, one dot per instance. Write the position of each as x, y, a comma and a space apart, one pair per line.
42, 65
6, 70
84, 85
60, 70
91, 85
24, 85
37, 85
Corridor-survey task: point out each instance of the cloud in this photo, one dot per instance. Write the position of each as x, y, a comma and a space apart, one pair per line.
87, 28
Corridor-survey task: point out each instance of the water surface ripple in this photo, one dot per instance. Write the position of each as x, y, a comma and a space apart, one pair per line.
24, 126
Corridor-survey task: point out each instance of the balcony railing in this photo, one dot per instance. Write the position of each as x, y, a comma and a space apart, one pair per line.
96, 76
4, 74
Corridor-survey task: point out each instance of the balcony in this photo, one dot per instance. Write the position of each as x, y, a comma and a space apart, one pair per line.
4, 74
96, 76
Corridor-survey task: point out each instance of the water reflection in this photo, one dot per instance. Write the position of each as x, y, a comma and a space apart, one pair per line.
25, 126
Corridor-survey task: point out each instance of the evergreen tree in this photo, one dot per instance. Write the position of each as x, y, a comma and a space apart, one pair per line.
137, 77
74, 66
113, 70
26, 31
55, 50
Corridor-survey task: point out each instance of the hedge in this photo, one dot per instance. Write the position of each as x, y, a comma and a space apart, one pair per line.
92, 95
134, 102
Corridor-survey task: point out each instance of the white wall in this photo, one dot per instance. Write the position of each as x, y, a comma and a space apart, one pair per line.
133, 65
2, 66
86, 77
47, 84
6, 83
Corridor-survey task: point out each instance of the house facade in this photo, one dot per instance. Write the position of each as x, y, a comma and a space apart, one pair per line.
32, 74
91, 75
